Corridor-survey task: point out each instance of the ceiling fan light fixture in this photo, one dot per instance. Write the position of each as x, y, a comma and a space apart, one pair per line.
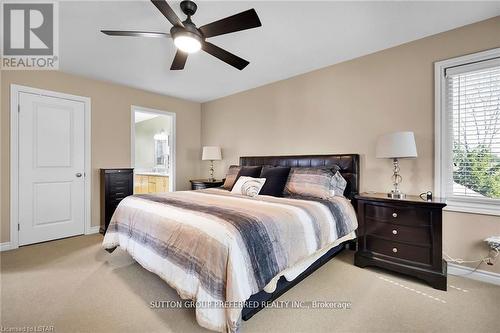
188, 38
187, 43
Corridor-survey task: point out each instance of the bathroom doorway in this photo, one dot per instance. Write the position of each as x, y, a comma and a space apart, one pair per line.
153, 150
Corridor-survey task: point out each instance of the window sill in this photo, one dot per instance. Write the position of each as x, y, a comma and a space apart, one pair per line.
472, 207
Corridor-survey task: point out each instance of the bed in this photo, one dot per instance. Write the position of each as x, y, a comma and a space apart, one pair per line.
231, 253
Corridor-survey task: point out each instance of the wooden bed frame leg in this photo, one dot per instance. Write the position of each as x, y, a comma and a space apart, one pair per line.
111, 249
351, 245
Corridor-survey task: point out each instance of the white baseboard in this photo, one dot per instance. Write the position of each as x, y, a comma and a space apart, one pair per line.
6, 246
92, 230
480, 275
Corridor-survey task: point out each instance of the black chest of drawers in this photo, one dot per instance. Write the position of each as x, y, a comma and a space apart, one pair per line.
116, 184
401, 235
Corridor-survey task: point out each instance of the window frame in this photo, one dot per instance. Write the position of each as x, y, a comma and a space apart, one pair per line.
443, 155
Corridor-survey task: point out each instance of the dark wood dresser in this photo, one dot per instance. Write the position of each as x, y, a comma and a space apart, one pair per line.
200, 184
403, 235
116, 184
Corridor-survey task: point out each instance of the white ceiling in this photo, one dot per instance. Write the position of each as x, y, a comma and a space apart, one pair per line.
296, 37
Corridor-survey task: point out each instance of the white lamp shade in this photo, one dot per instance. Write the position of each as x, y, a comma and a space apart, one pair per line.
211, 153
396, 145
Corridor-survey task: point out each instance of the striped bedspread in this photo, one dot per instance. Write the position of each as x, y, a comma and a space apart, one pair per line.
220, 248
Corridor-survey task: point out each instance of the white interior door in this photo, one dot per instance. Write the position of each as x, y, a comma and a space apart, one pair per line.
51, 168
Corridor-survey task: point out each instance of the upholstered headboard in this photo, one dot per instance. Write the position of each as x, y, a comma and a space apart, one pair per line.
348, 163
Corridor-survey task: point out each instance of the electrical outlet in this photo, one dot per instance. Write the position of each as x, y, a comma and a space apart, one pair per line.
493, 242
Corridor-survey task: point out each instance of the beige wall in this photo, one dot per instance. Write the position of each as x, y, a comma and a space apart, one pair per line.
345, 107
110, 128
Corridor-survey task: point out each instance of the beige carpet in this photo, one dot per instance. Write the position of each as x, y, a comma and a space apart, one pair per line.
76, 286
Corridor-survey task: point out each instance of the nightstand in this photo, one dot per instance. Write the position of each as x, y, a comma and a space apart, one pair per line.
402, 235
200, 184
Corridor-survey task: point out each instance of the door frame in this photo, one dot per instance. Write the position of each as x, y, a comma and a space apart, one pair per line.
15, 91
172, 173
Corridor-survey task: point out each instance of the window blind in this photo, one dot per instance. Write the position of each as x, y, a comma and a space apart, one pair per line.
473, 114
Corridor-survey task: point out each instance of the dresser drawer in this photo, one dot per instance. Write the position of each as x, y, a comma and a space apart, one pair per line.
117, 189
198, 186
117, 179
401, 233
119, 195
399, 250
116, 201
397, 215
120, 185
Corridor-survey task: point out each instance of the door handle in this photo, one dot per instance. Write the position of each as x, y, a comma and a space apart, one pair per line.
78, 174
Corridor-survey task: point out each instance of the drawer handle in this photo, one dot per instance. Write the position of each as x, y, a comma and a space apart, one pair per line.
395, 250
394, 232
394, 215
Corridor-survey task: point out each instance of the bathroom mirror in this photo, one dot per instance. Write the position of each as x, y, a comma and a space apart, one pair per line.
161, 151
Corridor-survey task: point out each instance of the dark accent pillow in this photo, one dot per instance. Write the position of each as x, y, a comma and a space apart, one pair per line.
249, 171
276, 178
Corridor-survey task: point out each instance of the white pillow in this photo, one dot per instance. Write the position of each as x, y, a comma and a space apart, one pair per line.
338, 184
248, 186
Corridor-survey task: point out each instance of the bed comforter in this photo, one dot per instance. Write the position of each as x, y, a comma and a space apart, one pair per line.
219, 248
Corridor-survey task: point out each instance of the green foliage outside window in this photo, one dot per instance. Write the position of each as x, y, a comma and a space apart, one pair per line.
477, 169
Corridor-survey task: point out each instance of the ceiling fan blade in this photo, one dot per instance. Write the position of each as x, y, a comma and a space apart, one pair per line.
136, 33
179, 60
242, 21
168, 12
224, 55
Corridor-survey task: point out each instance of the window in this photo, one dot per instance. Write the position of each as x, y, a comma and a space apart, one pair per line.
468, 132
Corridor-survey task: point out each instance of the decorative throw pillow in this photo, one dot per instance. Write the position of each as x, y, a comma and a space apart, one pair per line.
338, 184
248, 186
249, 171
276, 178
312, 182
232, 174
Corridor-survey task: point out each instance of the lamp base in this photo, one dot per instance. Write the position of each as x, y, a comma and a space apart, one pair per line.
211, 171
396, 180
396, 195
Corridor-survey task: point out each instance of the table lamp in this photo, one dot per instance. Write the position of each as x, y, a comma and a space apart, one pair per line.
211, 153
396, 146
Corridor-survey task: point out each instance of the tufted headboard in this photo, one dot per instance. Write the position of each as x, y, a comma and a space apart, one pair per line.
348, 163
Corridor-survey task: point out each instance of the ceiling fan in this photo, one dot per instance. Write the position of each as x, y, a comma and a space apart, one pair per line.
189, 39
